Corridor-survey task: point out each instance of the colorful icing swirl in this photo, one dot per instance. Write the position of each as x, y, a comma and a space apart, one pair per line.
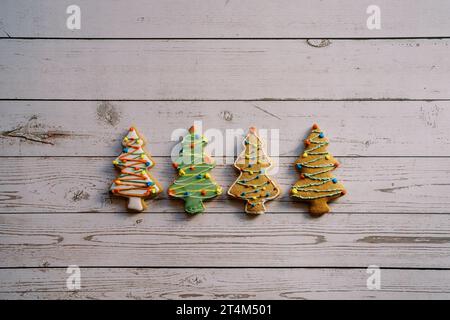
315, 165
253, 184
194, 183
134, 179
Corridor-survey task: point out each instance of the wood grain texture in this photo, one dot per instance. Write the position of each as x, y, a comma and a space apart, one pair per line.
223, 284
225, 240
374, 185
355, 128
224, 19
196, 69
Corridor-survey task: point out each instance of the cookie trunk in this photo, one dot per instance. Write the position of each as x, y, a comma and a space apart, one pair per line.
255, 208
193, 205
319, 207
135, 203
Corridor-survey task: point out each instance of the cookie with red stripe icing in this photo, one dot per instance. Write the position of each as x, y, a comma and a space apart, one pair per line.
134, 180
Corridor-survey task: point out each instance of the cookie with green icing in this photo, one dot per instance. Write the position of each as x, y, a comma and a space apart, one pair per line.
317, 185
194, 183
253, 185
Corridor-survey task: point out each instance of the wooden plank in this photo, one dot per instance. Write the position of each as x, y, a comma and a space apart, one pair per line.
223, 284
375, 185
197, 70
224, 19
355, 128
224, 240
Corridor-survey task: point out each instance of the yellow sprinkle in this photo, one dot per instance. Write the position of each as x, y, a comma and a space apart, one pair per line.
264, 188
254, 186
251, 172
327, 157
247, 156
138, 141
125, 139
258, 161
153, 190
142, 156
254, 198
207, 175
219, 190
305, 154
115, 162
294, 191
182, 173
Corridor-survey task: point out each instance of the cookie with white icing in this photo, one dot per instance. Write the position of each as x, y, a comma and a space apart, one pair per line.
253, 184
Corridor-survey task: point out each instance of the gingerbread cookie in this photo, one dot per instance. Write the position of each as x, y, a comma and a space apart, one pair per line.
253, 185
317, 186
194, 183
134, 181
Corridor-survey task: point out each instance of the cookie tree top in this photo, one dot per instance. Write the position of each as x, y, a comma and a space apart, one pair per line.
134, 181
194, 183
253, 185
317, 184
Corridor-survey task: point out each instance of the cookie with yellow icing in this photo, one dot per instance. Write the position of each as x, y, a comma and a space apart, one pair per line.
317, 185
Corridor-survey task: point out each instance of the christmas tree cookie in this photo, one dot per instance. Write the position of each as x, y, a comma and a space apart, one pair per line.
317, 186
253, 184
134, 181
194, 183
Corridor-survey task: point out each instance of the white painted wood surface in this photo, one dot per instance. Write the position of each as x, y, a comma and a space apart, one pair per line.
384, 104
225, 240
78, 184
220, 284
217, 69
224, 19
355, 128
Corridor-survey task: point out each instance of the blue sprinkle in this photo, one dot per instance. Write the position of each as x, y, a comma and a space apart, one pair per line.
125, 150
253, 204
299, 166
334, 180
149, 184
199, 176
246, 142
243, 194
257, 177
321, 135
261, 171
186, 194
267, 194
197, 136
148, 163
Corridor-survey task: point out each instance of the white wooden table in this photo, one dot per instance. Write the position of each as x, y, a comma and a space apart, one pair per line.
67, 98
